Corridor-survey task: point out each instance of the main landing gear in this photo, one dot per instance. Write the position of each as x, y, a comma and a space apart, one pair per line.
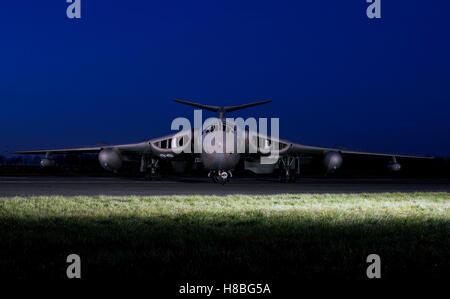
289, 168
220, 176
150, 168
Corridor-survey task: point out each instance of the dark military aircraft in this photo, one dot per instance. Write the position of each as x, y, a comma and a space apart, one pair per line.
179, 149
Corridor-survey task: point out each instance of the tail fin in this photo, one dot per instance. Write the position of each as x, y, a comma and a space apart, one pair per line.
221, 109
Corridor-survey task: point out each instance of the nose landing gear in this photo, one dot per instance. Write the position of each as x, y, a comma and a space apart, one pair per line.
220, 176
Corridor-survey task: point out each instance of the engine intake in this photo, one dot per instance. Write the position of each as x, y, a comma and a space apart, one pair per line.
394, 167
47, 162
332, 161
110, 159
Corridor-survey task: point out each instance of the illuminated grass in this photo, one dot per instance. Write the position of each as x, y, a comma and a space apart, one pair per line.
198, 237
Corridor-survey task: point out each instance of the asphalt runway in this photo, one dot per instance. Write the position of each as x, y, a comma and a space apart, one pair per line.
70, 186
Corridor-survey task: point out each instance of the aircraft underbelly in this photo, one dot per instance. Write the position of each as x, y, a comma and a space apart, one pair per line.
220, 161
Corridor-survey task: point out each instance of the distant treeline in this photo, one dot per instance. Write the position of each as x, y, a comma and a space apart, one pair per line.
86, 164
35, 160
353, 167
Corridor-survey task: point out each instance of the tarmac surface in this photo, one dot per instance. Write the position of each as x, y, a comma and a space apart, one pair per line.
91, 186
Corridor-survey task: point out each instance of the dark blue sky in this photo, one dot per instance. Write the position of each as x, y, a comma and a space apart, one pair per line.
336, 78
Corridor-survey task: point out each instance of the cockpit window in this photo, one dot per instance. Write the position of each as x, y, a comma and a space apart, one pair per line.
227, 128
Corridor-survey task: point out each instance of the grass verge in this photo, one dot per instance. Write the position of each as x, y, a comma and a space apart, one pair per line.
232, 238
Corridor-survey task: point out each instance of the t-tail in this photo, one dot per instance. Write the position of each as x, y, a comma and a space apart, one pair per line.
222, 109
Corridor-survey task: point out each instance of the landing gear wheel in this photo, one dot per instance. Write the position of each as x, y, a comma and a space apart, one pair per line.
150, 169
288, 177
292, 178
152, 175
148, 176
220, 176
